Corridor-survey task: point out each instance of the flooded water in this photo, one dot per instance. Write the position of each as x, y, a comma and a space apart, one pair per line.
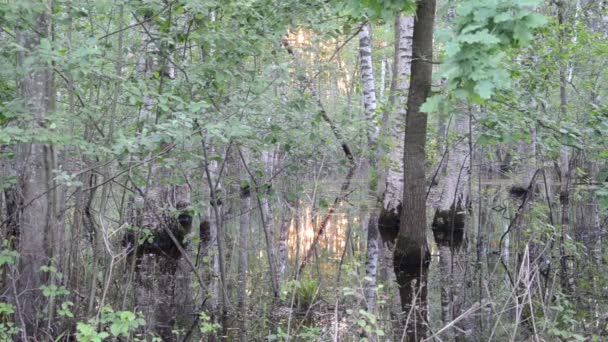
332, 243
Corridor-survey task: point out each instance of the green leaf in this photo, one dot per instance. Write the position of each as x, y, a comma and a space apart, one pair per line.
481, 37
485, 89
535, 20
502, 17
431, 104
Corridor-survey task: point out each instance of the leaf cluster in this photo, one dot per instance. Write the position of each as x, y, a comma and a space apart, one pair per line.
476, 49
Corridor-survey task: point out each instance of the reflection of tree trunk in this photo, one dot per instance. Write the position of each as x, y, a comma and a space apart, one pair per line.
320, 230
411, 251
526, 244
265, 226
449, 225
161, 282
161, 291
36, 237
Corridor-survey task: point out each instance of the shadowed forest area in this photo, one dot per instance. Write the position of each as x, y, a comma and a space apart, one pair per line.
303, 170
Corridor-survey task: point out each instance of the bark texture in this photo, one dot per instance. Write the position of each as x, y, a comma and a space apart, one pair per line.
391, 178
36, 198
369, 104
244, 226
411, 250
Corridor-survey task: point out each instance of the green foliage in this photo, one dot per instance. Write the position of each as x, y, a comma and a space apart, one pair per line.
7, 255
112, 323
8, 258
310, 333
566, 322
7, 327
280, 335
476, 50
122, 323
306, 290
143, 234
602, 194
52, 290
384, 10
235, 84
88, 333
65, 310
206, 326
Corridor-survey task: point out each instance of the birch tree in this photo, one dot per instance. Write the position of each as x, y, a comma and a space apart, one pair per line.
391, 178
369, 104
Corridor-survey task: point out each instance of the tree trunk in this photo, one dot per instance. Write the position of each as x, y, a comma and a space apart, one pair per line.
369, 103
391, 179
35, 220
215, 249
566, 167
411, 250
244, 226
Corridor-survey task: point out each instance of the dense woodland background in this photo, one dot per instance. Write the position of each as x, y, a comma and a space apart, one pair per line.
377, 170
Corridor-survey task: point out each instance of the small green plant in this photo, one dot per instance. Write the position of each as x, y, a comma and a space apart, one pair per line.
565, 323
143, 234
114, 323
65, 310
280, 335
88, 333
207, 326
7, 327
310, 333
7, 255
306, 291
122, 323
369, 323
52, 291
303, 290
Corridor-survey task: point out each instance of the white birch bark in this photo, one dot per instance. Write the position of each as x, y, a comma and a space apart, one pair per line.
383, 66
369, 105
214, 262
391, 179
268, 212
393, 191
